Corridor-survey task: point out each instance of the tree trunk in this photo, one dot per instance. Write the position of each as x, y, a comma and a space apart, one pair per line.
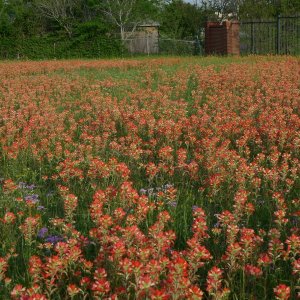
69, 31
123, 35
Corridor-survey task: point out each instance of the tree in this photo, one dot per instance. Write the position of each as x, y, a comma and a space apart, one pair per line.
127, 14
250, 9
223, 9
262, 9
17, 18
181, 20
61, 11
5, 24
2, 7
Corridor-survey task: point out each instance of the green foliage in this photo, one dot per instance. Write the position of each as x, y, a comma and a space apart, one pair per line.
88, 25
180, 19
53, 48
92, 29
260, 9
18, 18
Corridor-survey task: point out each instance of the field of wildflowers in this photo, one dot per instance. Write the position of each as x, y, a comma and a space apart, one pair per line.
159, 178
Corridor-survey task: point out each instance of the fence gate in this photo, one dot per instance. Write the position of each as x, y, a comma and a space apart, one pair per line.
278, 36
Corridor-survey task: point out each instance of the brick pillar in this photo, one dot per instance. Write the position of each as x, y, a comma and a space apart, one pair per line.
222, 38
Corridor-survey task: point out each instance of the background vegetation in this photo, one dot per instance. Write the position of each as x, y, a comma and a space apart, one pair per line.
93, 28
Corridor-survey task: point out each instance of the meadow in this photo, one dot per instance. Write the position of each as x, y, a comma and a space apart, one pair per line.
154, 178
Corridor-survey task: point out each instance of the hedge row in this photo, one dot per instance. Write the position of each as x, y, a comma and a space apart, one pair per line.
51, 48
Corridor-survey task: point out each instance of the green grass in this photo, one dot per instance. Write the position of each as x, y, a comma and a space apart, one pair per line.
181, 77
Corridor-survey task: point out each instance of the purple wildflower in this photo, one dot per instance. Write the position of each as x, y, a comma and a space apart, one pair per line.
143, 191
194, 207
53, 239
173, 203
30, 187
32, 198
24, 185
151, 191
42, 233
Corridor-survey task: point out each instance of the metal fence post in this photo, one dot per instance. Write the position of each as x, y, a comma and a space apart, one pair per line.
278, 35
148, 50
252, 38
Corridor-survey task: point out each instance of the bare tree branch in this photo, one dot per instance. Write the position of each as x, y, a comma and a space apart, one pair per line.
224, 9
121, 13
61, 11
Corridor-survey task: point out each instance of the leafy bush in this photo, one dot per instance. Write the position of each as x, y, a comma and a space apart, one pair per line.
54, 48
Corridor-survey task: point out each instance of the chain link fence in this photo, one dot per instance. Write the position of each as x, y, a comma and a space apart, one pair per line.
180, 47
163, 46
